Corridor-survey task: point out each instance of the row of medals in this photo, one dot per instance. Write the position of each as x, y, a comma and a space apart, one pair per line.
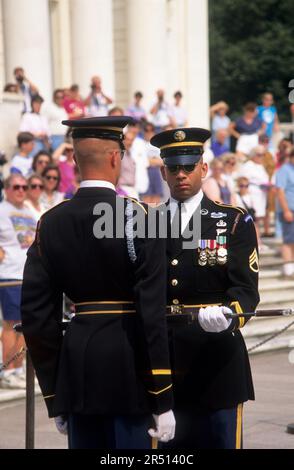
213, 252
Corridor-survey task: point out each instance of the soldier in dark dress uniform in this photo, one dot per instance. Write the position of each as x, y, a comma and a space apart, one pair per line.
110, 371
212, 270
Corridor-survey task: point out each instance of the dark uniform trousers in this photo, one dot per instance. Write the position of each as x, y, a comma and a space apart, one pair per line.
211, 371
206, 429
101, 432
110, 371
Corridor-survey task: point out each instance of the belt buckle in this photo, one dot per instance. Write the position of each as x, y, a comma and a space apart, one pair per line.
176, 309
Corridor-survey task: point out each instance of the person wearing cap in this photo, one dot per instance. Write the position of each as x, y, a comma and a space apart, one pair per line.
212, 271
105, 378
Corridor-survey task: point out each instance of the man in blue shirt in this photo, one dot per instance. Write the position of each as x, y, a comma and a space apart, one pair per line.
285, 192
219, 145
267, 112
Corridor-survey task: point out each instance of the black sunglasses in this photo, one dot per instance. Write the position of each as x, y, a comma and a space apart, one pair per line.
175, 169
35, 186
48, 177
17, 187
243, 185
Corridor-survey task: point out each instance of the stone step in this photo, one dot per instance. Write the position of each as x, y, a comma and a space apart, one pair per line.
258, 329
274, 284
266, 325
268, 273
272, 241
270, 261
282, 341
271, 251
282, 296
275, 306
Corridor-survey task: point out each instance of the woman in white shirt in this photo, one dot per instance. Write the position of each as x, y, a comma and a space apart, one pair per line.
258, 179
32, 202
50, 197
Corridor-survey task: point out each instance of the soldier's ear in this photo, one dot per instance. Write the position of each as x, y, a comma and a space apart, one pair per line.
204, 170
163, 172
115, 160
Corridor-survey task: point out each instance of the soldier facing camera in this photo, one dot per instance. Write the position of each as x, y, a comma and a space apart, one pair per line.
212, 271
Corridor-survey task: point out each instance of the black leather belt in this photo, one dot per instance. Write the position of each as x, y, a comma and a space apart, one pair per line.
104, 307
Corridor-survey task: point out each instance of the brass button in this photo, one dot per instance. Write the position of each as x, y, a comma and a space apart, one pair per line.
176, 301
174, 262
174, 282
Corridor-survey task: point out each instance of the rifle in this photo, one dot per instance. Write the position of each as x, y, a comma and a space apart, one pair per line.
178, 312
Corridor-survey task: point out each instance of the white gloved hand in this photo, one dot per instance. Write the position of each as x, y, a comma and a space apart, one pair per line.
212, 319
165, 427
61, 424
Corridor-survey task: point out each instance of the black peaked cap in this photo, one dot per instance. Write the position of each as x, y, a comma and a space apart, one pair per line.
108, 127
181, 146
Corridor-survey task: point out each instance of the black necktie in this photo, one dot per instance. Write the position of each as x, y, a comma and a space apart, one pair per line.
176, 226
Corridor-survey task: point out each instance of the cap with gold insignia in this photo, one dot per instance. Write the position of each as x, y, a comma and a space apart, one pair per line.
108, 128
181, 146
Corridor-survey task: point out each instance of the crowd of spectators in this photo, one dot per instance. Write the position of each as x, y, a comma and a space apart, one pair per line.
247, 167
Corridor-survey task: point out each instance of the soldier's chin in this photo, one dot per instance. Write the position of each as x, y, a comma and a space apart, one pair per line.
182, 193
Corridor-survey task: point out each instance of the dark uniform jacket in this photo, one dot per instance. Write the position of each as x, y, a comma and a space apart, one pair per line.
211, 370
109, 363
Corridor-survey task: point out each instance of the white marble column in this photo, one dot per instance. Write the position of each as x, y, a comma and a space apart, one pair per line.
2, 62
197, 62
27, 41
61, 43
176, 60
92, 43
147, 48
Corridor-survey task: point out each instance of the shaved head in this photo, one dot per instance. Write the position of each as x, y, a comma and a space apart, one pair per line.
98, 158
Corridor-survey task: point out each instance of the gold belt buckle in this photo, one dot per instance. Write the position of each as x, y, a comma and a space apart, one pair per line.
176, 309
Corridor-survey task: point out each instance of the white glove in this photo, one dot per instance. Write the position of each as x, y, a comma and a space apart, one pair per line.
212, 319
61, 424
165, 427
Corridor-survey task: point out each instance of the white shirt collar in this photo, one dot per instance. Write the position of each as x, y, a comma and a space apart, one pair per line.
188, 207
97, 184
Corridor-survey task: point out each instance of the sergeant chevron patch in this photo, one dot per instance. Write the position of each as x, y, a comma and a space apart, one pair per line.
253, 261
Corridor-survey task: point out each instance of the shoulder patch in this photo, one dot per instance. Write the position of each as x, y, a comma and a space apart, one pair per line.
247, 218
240, 209
253, 261
136, 202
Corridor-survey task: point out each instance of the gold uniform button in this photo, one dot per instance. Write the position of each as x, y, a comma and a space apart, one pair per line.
176, 301
174, 282
174, 262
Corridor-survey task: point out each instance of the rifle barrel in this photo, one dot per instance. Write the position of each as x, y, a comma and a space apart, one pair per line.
262, 313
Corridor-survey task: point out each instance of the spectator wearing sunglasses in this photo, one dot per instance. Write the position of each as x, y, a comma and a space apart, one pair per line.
63, 156
32, 202
230, 173
41, 160
243, 197
17, 232
50, 197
